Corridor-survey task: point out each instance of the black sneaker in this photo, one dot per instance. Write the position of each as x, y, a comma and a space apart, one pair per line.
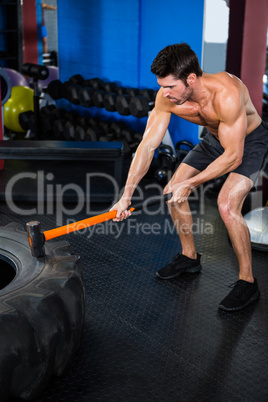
180, 264
241, 295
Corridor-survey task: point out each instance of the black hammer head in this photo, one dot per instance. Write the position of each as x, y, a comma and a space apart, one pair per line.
36, 238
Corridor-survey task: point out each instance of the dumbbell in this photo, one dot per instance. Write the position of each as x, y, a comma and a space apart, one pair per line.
70, 92
123, 99
117, 127
93, 133
132, 91
122, 104
26, 120
54, 124
74, 126
95, 83
135, 102
141, 104
77, 129
87, 129
57, 90
57, 129
110, 87
167, 162
47, 113
129, 137
89, 97
54, 89
107, 99
98, 97
76, 79
48, 116
72, 89
85, 96
116, 131
48, 109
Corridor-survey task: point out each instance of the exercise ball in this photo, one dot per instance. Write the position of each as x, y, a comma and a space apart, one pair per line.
257, 223
16, 78
21, 100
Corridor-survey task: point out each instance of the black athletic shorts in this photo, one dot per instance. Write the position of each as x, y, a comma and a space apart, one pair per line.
255, 152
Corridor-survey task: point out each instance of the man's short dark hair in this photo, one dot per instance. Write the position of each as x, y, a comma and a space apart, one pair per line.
179, 60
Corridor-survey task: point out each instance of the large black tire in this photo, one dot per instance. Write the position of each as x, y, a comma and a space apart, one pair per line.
42, 314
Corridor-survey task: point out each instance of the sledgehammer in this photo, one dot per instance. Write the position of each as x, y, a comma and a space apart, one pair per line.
37, 238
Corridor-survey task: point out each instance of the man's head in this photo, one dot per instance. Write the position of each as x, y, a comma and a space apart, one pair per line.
178, 60
177, 68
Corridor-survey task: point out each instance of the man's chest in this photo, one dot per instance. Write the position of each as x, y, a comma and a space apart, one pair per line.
204, 116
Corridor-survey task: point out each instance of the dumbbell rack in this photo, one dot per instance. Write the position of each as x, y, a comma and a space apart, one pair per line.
113, 146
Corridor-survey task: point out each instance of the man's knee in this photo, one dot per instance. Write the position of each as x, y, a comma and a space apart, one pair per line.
224, 207
229, 209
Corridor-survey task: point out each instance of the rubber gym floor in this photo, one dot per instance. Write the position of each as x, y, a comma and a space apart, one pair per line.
152, 340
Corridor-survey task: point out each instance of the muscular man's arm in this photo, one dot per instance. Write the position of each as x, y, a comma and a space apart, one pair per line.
231, 133
156, 127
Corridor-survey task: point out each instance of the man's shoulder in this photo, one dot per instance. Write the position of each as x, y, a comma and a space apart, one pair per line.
225, 87
223, 80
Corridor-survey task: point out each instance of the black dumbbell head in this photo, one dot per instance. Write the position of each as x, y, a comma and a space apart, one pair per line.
139, 106
48, 109
46, 127
93, 121
26, 120
93, 134
54, 89
68, 131
109, 101
121, 90
98, 98
110, 87
70, 92
57, 128
76, 79
79, 133
117, 127
95, 83
132, 91
104, 126
122, 104
149, 94
85, 96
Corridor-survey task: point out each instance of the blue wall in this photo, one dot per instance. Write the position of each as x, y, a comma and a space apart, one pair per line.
117, 40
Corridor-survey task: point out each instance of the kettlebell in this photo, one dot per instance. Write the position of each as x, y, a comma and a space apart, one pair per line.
166, 163
182, 152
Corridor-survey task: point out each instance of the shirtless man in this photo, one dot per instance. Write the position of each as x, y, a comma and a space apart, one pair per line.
237, 144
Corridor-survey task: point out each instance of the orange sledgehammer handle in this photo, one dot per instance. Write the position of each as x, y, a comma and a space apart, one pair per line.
85, 223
